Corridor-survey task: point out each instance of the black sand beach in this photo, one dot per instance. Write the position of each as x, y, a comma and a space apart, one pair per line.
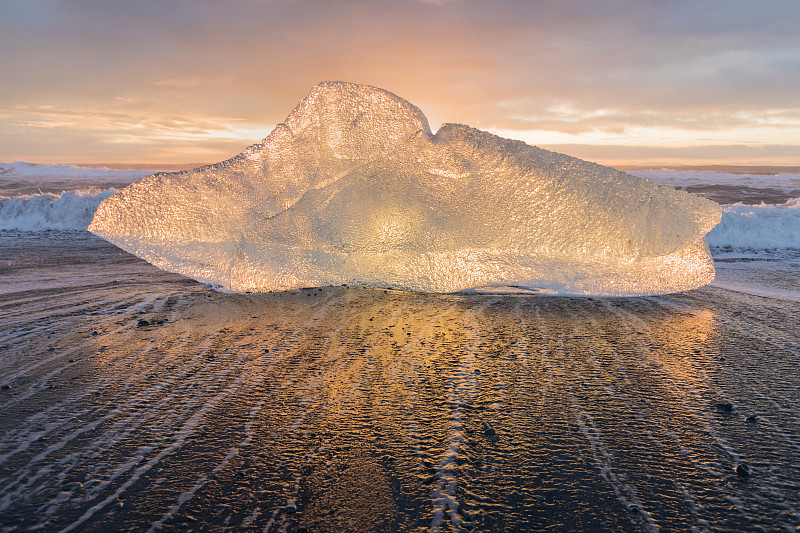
134, 399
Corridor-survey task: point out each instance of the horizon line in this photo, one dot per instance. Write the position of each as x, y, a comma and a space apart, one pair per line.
719, 167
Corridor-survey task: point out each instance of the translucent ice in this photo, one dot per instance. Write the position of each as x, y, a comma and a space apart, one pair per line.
354, 188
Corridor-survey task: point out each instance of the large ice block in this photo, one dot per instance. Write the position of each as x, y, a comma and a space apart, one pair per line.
354, 188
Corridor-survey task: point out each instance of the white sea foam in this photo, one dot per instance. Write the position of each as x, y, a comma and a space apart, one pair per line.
56, 197
758, 227
69, 210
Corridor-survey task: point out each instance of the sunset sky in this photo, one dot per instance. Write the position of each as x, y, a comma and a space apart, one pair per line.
618, 82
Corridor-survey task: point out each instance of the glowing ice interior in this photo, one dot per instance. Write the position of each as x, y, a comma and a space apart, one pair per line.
354, 188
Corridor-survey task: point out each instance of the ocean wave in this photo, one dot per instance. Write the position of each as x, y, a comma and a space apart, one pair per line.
69, 210
787, 181
758, 227
22, 169
20, 178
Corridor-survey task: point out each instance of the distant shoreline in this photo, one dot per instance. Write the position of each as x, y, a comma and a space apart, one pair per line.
138, 166
766, 170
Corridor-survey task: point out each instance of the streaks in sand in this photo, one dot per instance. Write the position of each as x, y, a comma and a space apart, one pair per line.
356, 409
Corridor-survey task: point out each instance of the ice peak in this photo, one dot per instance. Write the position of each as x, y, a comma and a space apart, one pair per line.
336, 107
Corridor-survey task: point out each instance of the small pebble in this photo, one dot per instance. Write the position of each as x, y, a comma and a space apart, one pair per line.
725, 406
5, 387
751, 419
142, 323
743, 470
291, 507
488, 430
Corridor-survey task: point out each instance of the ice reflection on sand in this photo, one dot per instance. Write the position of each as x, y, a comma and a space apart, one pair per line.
341, 409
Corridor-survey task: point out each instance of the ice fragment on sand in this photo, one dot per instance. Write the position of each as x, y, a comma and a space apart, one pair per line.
354, 188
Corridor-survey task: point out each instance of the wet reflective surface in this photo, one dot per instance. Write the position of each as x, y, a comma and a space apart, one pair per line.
136, 400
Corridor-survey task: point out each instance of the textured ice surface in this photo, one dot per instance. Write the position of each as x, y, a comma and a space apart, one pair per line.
354, 188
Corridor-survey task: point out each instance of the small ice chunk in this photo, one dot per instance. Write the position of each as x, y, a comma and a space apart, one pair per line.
355, 188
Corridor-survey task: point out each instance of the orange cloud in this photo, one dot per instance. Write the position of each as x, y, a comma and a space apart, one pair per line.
122, 76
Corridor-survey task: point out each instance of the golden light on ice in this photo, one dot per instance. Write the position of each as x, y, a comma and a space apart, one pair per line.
355, 188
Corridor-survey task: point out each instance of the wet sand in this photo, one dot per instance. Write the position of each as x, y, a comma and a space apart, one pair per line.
133, 399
